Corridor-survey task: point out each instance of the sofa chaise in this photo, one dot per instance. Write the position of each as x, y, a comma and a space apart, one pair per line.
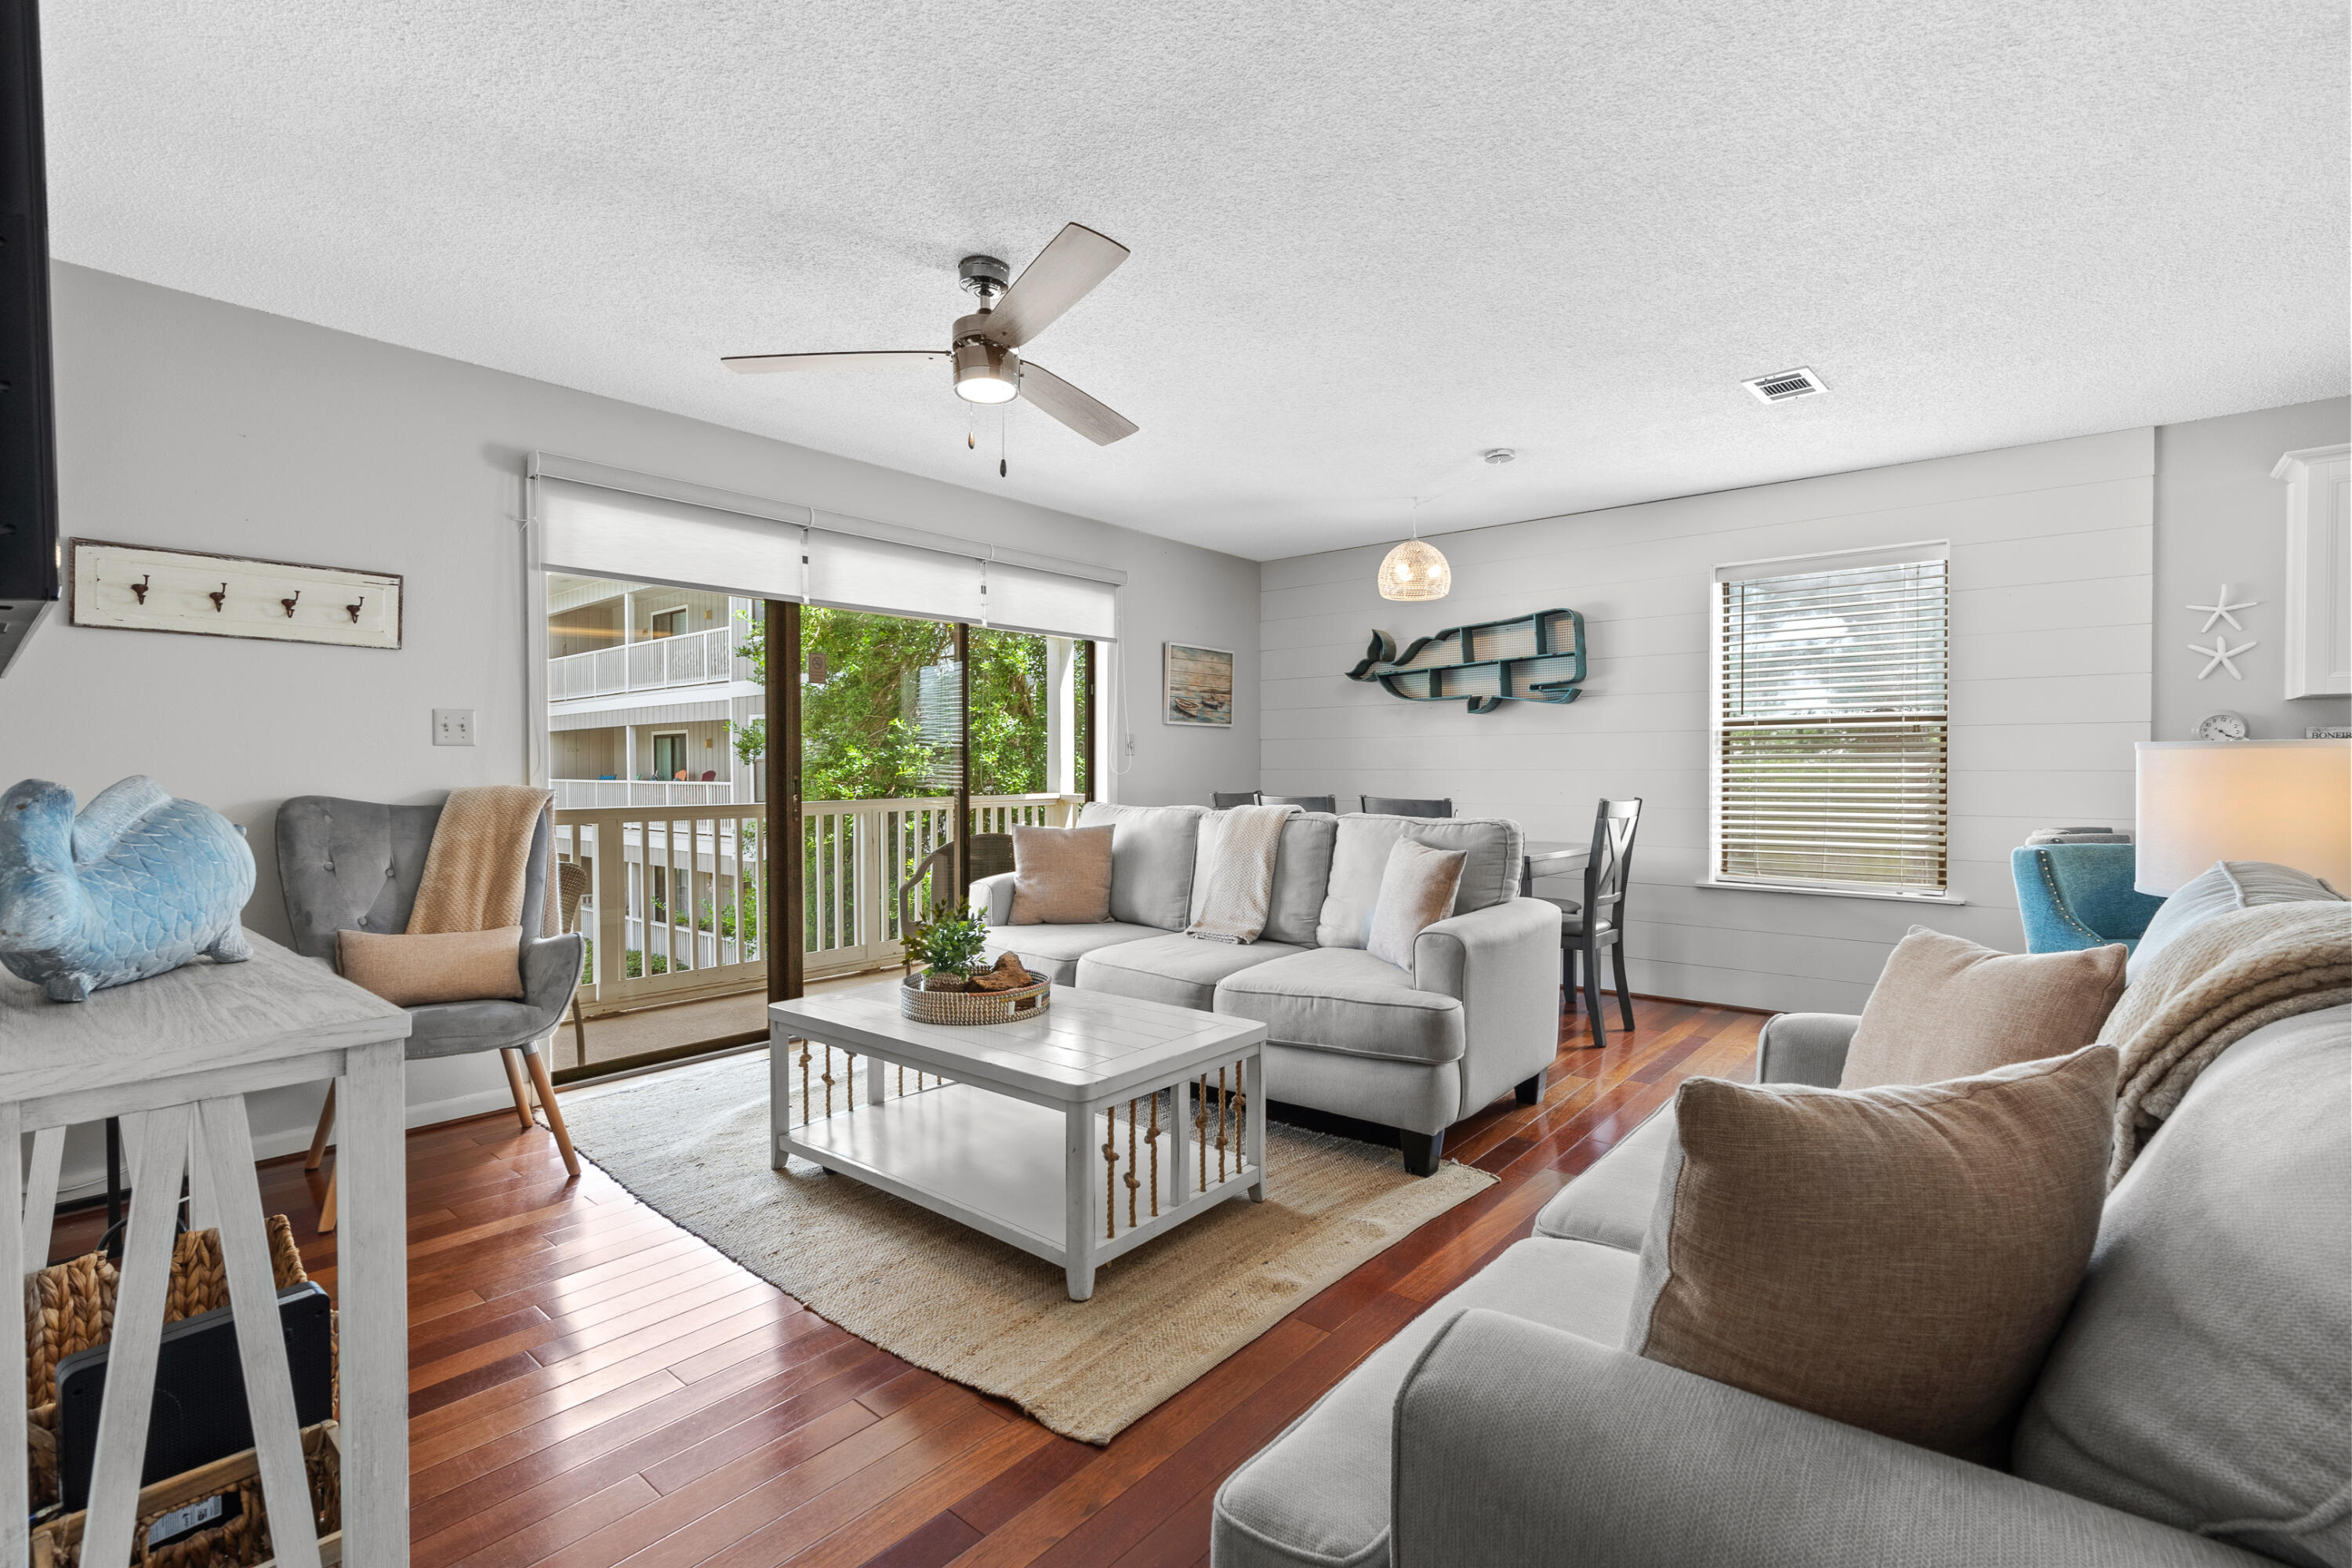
2196, 1409
1475, 1017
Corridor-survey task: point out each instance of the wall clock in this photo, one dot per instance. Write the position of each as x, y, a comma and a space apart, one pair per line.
2222, 727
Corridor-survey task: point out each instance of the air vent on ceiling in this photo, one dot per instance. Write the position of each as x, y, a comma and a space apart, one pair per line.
1788, 383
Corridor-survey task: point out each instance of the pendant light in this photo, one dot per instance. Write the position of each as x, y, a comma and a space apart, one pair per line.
1416, 569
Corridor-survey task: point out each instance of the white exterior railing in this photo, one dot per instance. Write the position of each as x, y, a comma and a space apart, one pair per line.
697, 658
591, 795
682, 887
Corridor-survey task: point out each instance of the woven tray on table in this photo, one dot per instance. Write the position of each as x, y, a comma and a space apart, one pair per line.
241, 1537
69, 1307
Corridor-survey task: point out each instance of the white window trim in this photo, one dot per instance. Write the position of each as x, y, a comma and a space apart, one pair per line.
1776, 566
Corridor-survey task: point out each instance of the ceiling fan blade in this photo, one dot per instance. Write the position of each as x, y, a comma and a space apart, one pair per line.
1053, 395
1061, 275
761, 364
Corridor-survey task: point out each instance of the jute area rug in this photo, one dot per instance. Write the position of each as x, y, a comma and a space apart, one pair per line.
691, 1142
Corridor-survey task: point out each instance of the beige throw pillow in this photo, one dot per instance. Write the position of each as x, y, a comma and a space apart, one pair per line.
446, 966
1061, 876
1944, 1007
1896, 1258
1417, 890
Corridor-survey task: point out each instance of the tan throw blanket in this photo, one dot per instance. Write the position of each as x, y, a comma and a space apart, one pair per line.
475, 871
1240, 874
2214, 987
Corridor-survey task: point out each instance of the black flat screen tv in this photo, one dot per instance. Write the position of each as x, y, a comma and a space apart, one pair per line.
28, 479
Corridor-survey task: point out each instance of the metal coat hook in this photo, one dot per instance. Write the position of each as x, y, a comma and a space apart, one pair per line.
216, 598
290, 604
140, 587
354, 609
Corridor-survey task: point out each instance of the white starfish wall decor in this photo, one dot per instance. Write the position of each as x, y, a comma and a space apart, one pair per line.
2221, 653
2220, 610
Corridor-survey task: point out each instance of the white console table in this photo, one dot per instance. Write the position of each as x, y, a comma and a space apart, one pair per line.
179, 1053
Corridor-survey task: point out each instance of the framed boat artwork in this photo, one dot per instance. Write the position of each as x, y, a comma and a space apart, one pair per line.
1196, 685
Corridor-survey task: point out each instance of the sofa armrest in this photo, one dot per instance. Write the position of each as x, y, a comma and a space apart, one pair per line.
1519, 1444
1502, 963
992, 898
1805, 1048
551, 973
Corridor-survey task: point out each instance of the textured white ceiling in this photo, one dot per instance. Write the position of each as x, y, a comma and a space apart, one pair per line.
1369, 239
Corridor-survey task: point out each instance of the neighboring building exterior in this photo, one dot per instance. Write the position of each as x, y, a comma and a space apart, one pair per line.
643, 681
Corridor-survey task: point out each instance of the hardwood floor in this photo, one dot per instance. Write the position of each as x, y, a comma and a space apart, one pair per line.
590, 1385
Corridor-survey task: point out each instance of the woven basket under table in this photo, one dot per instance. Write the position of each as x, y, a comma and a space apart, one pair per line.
69, 1307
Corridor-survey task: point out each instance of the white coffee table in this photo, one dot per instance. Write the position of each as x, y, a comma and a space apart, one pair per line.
1060, 1134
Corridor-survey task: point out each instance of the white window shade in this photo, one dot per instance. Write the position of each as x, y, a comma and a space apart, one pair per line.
1021, 598
600, 532
605, 522
1832, 723
847, 573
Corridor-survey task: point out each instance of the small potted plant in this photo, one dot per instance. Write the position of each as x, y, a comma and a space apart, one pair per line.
948, 949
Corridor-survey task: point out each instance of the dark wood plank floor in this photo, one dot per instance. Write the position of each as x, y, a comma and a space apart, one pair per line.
590, 1385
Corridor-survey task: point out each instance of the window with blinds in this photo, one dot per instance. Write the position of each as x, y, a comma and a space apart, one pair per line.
1831, 743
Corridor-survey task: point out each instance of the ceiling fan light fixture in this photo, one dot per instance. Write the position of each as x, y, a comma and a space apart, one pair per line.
1415, 570
986, 372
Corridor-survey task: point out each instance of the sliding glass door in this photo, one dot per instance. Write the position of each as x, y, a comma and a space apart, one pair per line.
760, 780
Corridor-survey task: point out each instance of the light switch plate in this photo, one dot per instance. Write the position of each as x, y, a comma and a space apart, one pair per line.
453, 726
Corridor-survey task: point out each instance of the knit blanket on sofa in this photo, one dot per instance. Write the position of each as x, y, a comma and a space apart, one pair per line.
1241, 873
2211, 987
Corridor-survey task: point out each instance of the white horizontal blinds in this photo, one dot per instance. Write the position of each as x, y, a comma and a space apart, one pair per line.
600, 532
1023, 599
1832, 738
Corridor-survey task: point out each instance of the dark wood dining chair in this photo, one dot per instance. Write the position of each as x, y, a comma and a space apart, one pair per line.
1599, 921
1226, 802
1398, 805
1325, 803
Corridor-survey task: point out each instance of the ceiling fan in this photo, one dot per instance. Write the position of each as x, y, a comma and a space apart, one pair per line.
981, 345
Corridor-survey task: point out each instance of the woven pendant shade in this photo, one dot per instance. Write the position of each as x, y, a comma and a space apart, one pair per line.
1415, 570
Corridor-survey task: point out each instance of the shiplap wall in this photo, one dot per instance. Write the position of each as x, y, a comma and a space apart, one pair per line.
2052, 549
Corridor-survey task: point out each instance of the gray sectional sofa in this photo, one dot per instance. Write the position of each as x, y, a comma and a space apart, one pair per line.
2196, 1409
1474, 1017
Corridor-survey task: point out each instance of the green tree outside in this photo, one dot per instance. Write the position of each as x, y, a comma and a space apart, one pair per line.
861, 738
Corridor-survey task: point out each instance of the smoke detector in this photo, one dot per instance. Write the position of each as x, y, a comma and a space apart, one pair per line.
1788, 383
1500, 455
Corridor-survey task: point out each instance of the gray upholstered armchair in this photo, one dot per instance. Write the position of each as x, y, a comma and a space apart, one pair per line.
355, 864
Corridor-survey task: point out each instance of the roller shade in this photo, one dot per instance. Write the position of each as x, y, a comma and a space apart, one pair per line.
1833, 728
604, 523
1023, 599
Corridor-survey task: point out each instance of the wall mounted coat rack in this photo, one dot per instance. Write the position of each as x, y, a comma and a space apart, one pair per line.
132, 587
1530, 659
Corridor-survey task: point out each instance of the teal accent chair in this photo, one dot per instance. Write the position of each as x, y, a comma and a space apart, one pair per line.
2079, 895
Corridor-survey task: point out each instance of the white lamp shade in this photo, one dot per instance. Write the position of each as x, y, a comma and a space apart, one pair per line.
1415, 570
2288, 802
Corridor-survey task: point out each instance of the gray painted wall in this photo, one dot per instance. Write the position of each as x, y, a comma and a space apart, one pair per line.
189, 423
2051, 587
2220, 517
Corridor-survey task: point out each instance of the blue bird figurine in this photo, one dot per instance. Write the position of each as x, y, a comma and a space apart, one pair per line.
136, 886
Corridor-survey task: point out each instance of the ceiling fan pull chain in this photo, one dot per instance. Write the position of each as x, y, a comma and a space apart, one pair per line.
1003, 417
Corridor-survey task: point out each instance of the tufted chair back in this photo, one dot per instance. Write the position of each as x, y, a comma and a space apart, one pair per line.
358, 864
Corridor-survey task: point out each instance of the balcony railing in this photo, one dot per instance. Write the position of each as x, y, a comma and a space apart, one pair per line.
588, 795
657, 664
677, 907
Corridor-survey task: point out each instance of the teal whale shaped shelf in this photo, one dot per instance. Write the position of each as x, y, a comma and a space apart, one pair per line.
1530, 659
